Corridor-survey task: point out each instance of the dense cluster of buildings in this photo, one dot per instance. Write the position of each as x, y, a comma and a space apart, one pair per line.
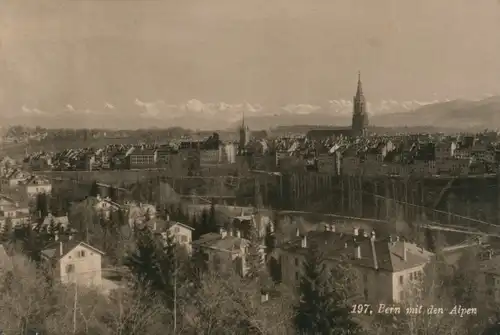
350, 151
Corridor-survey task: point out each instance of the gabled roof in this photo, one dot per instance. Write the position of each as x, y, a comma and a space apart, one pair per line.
53, 250
381, 255
217, 242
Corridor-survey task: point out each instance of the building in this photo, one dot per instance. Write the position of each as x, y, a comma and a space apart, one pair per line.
139, 212
359, 120
142, 158
224, 251
75, 262
384, 268
181, 233
106, 206
15, 177
244, 136
37, 185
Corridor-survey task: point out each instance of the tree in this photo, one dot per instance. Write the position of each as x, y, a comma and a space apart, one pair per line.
42, 204
254, 258
212, 226
229, 305
324, 298
94, 189
155, 265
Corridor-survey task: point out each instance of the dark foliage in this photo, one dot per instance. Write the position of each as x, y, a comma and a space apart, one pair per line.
94, 189
323, 307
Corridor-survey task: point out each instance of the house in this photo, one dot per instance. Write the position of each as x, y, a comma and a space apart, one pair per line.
163, 155
15, 177
75, 262
444, 150
36, 185
181, 233
106, 206
140, 212
224, 250
384, 268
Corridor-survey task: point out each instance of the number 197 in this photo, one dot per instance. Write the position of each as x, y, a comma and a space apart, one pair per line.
360, 309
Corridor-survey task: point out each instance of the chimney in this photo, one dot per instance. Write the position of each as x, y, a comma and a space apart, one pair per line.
154, 225
264, 296
304, 241
357, 251
238, 233
374, 252
222, 232
297, 232
355, 231
404, 253
60, 248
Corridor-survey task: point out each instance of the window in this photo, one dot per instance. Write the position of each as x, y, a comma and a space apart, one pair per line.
296, 262
401, 280
176, 229
184, 238
296, 276
81, 253
411, 276
70, 268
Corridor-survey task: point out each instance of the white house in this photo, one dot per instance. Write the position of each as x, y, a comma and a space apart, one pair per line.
75, 262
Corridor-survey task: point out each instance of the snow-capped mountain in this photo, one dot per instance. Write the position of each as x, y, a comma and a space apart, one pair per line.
196, 114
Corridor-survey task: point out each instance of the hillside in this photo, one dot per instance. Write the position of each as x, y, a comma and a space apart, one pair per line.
458, 114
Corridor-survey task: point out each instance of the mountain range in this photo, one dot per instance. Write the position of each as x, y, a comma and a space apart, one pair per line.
194, 114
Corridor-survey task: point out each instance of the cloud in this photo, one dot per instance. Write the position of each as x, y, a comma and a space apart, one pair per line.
70, 108
32, 111
157, 109
107, 105
300, 109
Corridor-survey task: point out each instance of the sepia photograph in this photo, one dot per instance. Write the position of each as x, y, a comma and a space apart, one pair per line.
249, 167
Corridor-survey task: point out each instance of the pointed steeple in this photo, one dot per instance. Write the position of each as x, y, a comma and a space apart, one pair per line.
359, 91
243, 119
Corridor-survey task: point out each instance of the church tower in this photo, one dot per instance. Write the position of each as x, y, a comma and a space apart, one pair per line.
244, 135
359, 115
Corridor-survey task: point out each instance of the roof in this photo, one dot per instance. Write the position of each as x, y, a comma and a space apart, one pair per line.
323, 133
381, 255
149, 152
53, 250
216, 241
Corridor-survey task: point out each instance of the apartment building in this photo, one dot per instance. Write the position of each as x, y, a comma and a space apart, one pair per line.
384, 268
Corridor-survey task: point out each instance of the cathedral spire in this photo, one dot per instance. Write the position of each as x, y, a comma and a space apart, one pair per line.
359, 91
243, 119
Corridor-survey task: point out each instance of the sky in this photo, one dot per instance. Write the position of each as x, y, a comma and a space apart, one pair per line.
90, 52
